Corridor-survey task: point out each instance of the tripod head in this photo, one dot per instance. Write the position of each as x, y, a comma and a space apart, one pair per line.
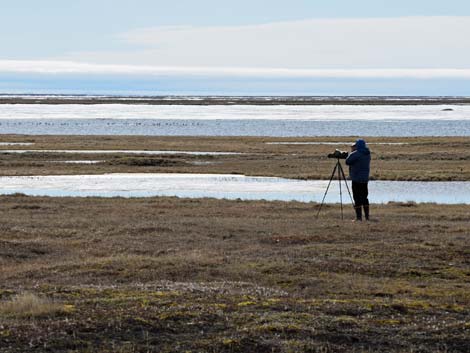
338, 154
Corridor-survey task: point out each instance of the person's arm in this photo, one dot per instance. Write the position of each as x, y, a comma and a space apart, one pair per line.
352, 158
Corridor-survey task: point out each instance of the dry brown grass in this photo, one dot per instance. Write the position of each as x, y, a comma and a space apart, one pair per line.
170, 275
418, 159
29, 305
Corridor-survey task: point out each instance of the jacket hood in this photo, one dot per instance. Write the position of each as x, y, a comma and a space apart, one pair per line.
362, 147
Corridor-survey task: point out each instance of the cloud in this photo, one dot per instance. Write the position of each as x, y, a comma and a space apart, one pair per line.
80, 68
402, 42
375, 48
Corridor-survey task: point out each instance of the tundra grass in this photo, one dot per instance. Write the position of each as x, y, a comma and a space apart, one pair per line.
205, 275
425, 159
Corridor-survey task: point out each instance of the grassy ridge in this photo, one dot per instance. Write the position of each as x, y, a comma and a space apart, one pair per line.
203, 275
426, 159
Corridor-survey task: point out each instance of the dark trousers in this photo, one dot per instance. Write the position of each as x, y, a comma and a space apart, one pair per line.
360, 195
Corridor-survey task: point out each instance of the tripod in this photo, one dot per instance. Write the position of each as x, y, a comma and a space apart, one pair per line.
341, 177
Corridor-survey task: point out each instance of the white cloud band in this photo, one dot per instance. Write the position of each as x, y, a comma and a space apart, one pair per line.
80, 68
362, 43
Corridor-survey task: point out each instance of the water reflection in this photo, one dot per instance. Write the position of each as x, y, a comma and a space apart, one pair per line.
228, 187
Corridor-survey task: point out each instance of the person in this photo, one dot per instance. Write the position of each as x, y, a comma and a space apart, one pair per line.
359, 170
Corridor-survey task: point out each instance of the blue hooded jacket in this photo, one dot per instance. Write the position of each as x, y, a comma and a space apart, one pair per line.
359, 163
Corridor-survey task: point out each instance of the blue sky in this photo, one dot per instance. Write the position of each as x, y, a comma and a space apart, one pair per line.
247, 35
37, 29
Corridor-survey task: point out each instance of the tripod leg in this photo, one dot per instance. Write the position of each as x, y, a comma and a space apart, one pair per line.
340, 190
347, 186
327, 188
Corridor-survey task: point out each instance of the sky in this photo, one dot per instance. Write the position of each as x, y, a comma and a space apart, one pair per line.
257, 47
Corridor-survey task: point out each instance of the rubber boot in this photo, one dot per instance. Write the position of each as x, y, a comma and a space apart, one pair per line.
358, 213
366, 212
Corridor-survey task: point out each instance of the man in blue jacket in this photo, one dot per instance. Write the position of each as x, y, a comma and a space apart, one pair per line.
359, 170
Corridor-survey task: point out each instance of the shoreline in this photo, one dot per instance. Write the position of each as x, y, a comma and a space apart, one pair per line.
230, 100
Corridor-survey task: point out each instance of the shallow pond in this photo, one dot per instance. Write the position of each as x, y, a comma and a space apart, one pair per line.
16, 144
235, 120
193, 153
229, 187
